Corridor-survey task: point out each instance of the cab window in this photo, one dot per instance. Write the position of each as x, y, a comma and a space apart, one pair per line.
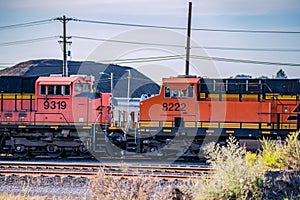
51, 89
43, 90
191, 91
177, 93
55, 90
82, 87
167, 92
66, 90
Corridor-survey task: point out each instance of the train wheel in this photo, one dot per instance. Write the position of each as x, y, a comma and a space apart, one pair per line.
83, 152
21, 151
53, 151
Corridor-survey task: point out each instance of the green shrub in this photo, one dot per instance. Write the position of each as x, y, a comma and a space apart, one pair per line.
292, 152
282, 155
232, 177
238, 174
251, 158
273, 155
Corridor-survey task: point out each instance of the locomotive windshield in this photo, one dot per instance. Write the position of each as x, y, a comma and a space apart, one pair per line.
179, 93
82, 87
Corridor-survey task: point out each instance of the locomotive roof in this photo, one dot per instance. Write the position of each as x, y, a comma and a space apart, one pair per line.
181, 80
57, 80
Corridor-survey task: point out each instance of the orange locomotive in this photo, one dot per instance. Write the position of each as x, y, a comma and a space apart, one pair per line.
196, 109
56, 119
62, 117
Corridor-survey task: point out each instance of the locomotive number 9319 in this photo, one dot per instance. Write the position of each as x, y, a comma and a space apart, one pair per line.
60, 105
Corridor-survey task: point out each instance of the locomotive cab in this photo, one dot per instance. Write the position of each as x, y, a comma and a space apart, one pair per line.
65, 100
175, 106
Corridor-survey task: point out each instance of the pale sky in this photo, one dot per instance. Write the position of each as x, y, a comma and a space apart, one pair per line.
274, 15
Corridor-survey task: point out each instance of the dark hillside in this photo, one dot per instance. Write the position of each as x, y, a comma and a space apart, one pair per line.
139, 83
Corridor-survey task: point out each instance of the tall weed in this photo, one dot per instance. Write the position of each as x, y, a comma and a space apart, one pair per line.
282, 155
273, 155
232, 176
292, 152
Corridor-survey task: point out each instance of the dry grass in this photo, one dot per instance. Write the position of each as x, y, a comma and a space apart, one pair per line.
10, 196
146, 187
7, 196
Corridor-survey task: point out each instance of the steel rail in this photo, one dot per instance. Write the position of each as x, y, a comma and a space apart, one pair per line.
181, 172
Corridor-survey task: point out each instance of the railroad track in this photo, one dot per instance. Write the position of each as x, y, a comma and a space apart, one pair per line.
89, 170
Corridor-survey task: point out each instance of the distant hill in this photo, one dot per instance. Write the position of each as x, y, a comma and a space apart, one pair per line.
139, 83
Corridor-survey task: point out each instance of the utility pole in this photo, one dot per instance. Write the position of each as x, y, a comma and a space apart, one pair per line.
65, 41
188, 40
128, 98
111, 83
128, 85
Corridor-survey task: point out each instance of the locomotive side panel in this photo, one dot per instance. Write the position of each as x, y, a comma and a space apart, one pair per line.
17, 102
16, 108
80, 110
230, 111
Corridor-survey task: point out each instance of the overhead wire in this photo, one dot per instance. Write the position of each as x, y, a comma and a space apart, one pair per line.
33, 23
143, 59
184, 28
182, 46
219, 59
233, 60
151, 44
28, 41
161, 58
39, 22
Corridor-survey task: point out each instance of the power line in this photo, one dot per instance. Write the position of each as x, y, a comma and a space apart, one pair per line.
28, 41
193, 47
143, 59
129, 24
40, 22
249, 49
151, 44
246, 31
160, 58
33, 23
219, 59
176, 57
245, 61
183, 28
126, 42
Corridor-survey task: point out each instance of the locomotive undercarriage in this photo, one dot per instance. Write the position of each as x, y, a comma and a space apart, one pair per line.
44, 142
100, 142
189, 143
